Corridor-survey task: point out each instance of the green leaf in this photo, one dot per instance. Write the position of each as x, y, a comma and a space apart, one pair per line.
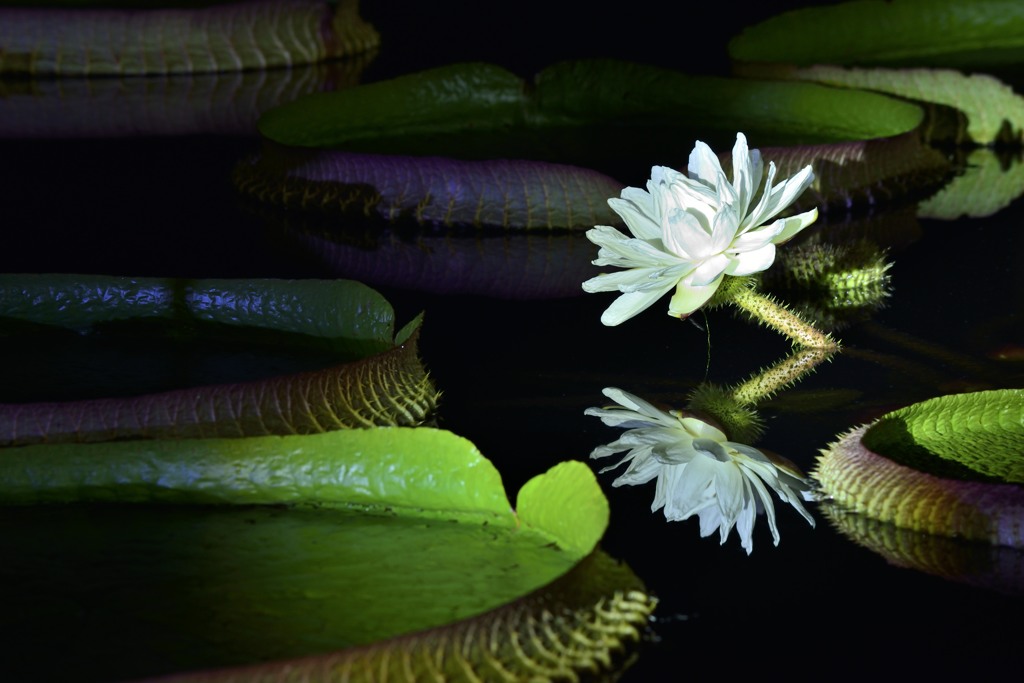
474, 96
770, 112
382, 467
382, 150
993, 110
386, 532
477, 97
567, 504
938, 33
386, 384
342, 311
951, 465
976, 436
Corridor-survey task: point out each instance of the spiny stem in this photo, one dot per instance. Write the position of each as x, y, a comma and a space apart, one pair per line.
739, 292
783, 374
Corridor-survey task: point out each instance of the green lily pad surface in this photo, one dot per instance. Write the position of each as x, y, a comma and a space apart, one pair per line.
383, 532
974, 436
993, 111
473, 144
892, 37
373, 376
938, 33
952, 465
478, 97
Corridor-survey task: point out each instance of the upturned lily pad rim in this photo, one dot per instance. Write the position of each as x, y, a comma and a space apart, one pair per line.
855, 476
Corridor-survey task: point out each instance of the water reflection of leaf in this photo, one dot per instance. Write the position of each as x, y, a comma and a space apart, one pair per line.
979, 564
987, 185
139, 40
518, 266
226, 103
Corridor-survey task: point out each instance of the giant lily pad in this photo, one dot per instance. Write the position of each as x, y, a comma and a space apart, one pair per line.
901, 34
938, 33
377, 378
386, 532
951, 465
385, 149
138, 40
993, 111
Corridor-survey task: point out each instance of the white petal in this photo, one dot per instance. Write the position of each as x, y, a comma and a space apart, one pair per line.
724, 228
742, 179
629, 304
745, 528
756, 238
711, 519
684, 236
700, 429
709, 271
639, 472
694, 489
704, 164
688, 298
794, 224
781, 195
638, 211
769, 507
635, 403
626, 252
750, 262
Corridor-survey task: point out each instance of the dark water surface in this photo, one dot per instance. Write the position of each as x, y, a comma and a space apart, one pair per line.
518, 374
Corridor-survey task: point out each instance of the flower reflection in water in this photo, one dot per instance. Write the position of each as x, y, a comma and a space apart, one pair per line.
698, 470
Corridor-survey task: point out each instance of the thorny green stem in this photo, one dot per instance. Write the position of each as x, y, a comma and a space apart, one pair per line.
738, 292
779, 376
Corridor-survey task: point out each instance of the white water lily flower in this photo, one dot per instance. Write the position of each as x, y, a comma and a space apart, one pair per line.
689, 232
698, 471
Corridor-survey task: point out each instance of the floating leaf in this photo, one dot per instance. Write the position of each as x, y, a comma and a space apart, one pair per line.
458, 97
938, 33
386, 385
343, 312
477, 97
389, 531
316, 155
860, 173
230, 37
993, 110
769, 112
433, 190
952, 465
